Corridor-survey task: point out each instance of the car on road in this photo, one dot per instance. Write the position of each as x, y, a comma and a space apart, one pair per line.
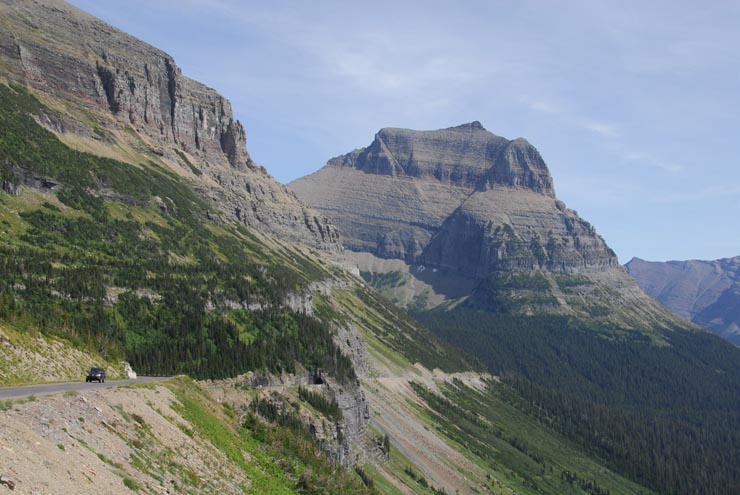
96, 375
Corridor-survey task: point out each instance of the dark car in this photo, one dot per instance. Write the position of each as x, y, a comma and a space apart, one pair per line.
96, 375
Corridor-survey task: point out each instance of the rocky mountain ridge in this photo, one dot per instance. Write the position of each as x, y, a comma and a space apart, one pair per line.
116, 91
475, 217
433, 173
704, 292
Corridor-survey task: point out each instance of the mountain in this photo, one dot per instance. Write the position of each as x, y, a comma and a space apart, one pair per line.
705, 292
124, 98
134, 227
473, 217
464, 229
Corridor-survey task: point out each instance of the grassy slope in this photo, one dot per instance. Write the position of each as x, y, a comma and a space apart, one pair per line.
154, 438
28, 356
280, 460
488, 444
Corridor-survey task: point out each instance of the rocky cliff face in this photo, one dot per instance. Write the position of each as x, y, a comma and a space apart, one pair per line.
705, 292
107, 81
423, 195
395, 194
466, 210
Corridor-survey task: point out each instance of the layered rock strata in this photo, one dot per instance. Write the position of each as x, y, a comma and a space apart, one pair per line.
108, 81
460, 198
391, 197
475, 217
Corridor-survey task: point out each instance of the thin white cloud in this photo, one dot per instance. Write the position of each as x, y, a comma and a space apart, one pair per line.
543, 106
607, 130
666, 167
601, 190
602, 129
635, 156
651, 161
711, 192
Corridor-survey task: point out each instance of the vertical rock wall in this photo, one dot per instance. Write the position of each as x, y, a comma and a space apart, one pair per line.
110, 81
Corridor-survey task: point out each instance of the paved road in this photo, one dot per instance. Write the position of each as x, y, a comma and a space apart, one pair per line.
55, 388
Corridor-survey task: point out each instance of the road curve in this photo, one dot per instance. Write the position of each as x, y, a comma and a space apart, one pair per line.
55, 388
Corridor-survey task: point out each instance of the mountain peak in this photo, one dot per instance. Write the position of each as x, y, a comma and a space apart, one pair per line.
410, 182
469, 127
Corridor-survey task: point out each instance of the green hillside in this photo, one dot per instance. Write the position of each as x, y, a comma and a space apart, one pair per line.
515, 449
126, 261
664, 413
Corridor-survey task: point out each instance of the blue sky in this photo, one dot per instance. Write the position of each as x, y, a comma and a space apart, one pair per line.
635, 106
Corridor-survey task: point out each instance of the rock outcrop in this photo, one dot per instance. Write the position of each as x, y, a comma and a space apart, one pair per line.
705, 292
120, 90
466, 209
392, 197
460, 198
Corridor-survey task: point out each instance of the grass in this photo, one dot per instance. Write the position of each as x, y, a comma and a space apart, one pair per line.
211, 424
277, 460
103, 458
371, 325
131, 484
187, 162
393, 337
387, 475
383, 280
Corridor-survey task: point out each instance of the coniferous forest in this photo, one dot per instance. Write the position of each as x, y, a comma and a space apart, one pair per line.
153, 282
666, 415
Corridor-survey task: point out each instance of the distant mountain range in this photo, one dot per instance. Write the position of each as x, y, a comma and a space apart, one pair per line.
705, 292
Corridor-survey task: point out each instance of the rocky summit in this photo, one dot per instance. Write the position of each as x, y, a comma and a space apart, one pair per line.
464, 209
118, 96
705, 292
422, 195
395, 194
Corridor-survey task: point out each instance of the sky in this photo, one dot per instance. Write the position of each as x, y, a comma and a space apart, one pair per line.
634, 105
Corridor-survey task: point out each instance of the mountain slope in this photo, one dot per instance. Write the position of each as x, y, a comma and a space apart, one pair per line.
705, 292
117, 242
110, 93
474, 217
463, 227
135, 226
